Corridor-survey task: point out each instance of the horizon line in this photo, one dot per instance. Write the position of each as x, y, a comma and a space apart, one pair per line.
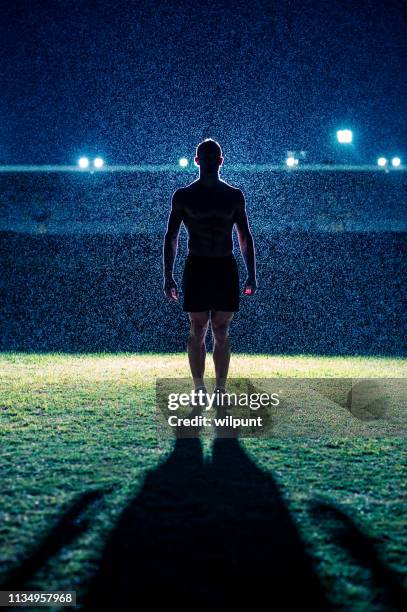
189, 169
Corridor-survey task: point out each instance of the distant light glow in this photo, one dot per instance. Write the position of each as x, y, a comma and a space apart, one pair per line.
98, 162
344, 136
183, 162
395, 162
382, 161
291, 161
83, 162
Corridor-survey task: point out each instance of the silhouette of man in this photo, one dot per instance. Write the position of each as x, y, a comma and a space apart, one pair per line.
209, 208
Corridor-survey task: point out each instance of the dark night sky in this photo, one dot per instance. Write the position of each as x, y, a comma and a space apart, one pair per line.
146, 81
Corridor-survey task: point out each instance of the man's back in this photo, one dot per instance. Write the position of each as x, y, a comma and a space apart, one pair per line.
209, 213
209, 208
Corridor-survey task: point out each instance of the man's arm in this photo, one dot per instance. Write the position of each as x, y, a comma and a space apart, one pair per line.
246, 244
171, 246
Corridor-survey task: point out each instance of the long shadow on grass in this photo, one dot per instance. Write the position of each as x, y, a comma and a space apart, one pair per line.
73, 521
362, 548
206, 533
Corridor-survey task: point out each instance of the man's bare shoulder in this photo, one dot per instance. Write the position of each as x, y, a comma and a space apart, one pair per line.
231, 188
235, 192
177, 197
178, 192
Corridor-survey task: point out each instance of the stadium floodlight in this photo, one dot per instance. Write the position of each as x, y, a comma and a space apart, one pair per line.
83, 162
395, 162
291, 161
382, 161
98, 162
344, 136
183, 162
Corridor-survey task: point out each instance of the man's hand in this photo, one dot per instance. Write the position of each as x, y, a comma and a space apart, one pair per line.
170, 289
250, 286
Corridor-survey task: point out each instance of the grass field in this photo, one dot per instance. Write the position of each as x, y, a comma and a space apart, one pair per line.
71, 424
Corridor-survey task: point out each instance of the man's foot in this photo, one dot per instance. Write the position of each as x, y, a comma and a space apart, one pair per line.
199, 401
220, 401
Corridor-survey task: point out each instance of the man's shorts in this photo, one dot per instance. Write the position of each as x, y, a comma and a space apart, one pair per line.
210, 283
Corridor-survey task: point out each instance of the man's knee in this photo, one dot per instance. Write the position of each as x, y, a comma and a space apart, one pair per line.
220, 331
198, 330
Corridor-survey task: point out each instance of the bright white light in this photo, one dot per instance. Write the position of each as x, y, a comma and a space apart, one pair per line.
344, 136
395, 162
382, 161
98, 162
183, 162
83, 162
291, 161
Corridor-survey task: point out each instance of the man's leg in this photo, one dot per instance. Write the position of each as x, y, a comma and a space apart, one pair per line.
196, 345
220, 322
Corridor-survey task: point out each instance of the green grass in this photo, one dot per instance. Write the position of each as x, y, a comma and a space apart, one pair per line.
74, 423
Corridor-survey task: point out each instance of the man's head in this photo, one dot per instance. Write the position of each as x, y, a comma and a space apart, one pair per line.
209, 156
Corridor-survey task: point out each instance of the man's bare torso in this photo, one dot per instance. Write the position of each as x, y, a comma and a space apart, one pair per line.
209, 214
